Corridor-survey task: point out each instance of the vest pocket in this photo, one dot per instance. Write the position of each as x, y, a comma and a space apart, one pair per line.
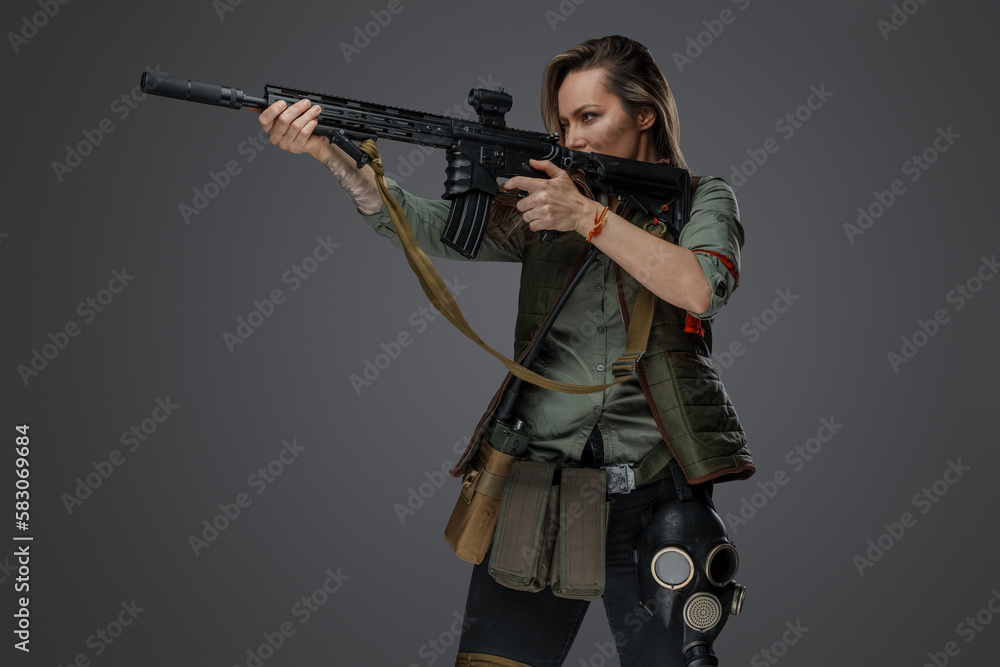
702, 416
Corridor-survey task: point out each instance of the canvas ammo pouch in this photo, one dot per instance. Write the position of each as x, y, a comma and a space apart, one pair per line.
552, 534
472, 522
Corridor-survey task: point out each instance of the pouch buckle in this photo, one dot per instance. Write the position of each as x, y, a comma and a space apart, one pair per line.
621, 478
469, 484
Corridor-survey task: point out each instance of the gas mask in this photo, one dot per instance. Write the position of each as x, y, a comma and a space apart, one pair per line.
686, 564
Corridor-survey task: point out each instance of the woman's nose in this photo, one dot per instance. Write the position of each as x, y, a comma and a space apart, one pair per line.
573, 140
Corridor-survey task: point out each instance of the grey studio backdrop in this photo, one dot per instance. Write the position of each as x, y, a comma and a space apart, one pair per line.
206, 493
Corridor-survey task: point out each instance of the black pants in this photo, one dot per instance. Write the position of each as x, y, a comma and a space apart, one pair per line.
539, 628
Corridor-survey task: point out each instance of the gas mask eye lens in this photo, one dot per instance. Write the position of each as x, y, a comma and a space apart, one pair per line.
672, 568
721, 564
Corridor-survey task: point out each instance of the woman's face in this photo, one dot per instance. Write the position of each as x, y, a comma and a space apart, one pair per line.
592, 119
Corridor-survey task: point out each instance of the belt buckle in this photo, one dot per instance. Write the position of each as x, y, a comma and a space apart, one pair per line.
621, 478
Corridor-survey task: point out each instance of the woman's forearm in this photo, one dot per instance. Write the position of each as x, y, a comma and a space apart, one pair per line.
669, 271
359, 184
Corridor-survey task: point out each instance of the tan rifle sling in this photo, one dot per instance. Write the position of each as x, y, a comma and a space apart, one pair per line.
430, 281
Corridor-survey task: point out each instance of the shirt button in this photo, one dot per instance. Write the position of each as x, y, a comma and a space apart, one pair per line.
600, 287
597, 409
601, 329
600, 367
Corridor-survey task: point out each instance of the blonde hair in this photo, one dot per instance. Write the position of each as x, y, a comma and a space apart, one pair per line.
631, 75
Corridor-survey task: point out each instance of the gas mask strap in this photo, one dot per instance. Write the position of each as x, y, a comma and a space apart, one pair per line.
680, 483
681, 490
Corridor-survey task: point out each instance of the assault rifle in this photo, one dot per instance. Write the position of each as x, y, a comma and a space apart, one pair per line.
478, 153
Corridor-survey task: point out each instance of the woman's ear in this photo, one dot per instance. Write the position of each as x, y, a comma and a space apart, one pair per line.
646, 117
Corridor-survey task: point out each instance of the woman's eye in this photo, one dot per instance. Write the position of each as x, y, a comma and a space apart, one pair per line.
584, 117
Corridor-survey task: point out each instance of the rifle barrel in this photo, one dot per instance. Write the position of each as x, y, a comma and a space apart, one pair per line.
197, 91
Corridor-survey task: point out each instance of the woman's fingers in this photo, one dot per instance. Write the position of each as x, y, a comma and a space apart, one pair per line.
290, 127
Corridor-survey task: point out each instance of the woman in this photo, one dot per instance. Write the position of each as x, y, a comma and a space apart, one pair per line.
605, 96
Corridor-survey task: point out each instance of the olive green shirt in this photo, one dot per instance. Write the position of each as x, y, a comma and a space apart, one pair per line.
589, 335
